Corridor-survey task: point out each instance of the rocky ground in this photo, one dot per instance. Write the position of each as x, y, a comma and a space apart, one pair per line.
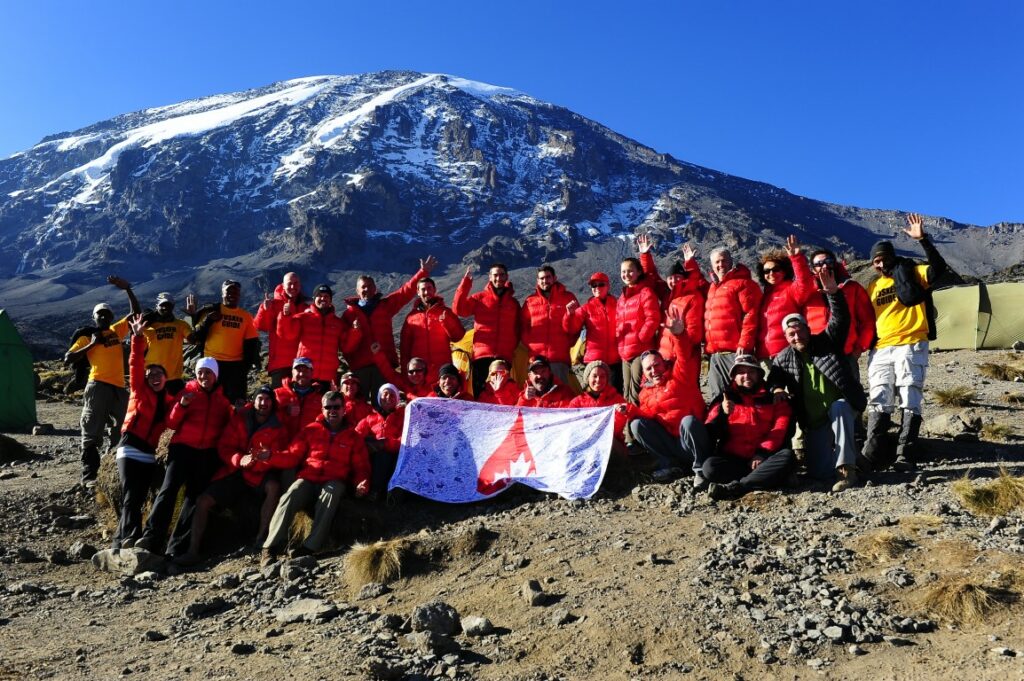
645, 581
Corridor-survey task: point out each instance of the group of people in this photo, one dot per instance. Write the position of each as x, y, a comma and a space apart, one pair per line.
783, 371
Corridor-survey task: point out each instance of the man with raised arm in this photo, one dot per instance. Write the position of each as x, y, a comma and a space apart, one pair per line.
286, 299
495, 313
542, 322
430, 328
730, 317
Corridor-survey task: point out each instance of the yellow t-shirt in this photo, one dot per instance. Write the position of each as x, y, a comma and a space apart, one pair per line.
106, 359
895, 323
224, 341
164, 343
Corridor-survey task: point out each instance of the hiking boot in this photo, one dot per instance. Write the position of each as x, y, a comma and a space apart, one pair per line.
724, 491
905, 449
875, 455
847, 478
146, 544
267, 557
666, 474
700, 483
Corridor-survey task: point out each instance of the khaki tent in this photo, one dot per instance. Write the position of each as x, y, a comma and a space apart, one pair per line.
17, 379
978, 316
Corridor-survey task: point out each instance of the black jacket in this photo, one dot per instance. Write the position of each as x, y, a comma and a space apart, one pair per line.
826, 352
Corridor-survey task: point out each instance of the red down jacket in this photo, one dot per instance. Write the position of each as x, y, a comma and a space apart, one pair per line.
598, 317
321, 336
323, 456
387, 429
541, 323
677, 396
428, 332
295, 410
609, 397
200, 424
862, 314
757, 425
784, 298
558, 395
237, 441
690, 308
507, 395
495, 319
140, 420
730, 313
380, 316
637, 316
282, 350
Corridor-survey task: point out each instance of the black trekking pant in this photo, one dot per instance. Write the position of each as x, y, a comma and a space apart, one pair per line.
189, 468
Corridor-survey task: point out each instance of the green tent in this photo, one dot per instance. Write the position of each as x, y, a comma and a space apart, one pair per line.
17, 379
978, 316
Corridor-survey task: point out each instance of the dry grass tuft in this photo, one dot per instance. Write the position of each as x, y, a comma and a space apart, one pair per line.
885, 545
378, 562
962, 600
1015, 398
761, 500
998, 497
916, 523
956, 396
1000, 372
997, 431
302, 525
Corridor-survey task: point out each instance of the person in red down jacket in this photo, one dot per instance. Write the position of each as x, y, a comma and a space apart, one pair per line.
298, 399
597, 318
637, 317
332, 459
322, 334
281, 350
542, 389
730, 317
740, 447
495, 313
599, 392
450, 384
500, 388
149, 404
198, 418
862, 312
430, 328
379, 311
252, 450
682, 277
356, 406
382, 431
668, 395
787, 285
542, 320
412, 382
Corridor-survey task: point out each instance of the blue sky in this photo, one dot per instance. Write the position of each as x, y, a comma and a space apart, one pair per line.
915, 106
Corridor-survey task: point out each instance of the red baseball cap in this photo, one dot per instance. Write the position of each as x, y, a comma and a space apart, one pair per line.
598, 277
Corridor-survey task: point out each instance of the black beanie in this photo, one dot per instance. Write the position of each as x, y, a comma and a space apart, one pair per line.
883, 248
449, 370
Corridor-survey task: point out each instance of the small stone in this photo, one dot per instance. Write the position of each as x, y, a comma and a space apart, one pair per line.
532, 593
380, 668
855, 649
562, 616
477, 626
153, 635
128, 561
816, 663
371, 590
200, 609
306, 610
81, 550
25, 555
834, 634
7, 475
57, 557
436, 616
998, 523
1004, 652
430, 642
897, 642
243, 649
43, 429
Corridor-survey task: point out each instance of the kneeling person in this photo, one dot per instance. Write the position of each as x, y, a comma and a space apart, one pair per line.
333, 458
739, 448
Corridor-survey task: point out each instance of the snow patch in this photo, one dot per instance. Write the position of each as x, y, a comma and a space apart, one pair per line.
478, 89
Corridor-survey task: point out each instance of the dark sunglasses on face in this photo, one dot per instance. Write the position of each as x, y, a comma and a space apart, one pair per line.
597, 284
823, 262
416, 371
333, 407
769, 270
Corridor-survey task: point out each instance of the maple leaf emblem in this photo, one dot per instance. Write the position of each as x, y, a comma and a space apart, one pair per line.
510, 459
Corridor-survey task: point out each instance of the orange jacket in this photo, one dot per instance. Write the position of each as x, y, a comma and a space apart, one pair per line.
730, 313
495, 319
237, 441
282, 350
380, 315
542, 320
428, 332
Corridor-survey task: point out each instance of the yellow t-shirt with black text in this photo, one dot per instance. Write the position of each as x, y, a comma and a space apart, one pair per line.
895, 323
106, 358
226, 335
165, 342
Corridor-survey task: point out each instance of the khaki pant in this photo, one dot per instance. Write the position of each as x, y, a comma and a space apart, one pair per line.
301, 495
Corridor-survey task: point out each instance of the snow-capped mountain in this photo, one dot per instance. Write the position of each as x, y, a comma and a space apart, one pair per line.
367, 172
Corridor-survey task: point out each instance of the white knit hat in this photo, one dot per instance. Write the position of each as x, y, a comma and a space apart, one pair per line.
208, 363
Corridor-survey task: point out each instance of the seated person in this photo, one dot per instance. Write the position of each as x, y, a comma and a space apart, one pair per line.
542, 390
382, 431
251, 448
450, 384
332, 459
356, 406
598, 391
499, 388
740, 447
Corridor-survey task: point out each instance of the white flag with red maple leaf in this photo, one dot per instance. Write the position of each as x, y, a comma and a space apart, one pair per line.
458, 451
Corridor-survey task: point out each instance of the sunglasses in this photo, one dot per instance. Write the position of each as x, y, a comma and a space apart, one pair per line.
415, 371
822, 263
597, 284
769, 270
333, 407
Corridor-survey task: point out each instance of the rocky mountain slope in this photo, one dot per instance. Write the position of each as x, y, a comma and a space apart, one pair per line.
333, 175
